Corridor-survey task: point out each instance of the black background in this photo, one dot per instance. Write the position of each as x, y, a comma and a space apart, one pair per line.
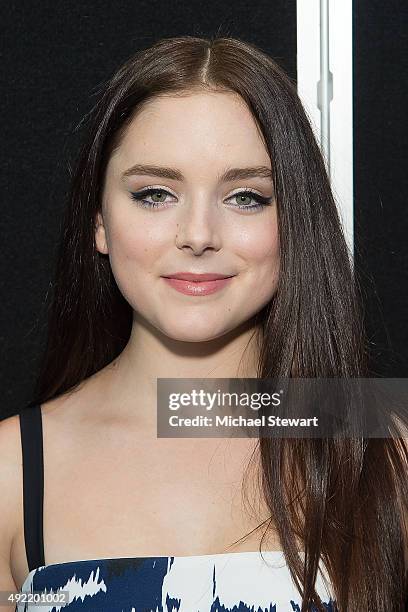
380, 176
55, 57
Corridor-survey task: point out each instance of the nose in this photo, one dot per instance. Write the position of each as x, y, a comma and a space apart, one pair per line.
198, 227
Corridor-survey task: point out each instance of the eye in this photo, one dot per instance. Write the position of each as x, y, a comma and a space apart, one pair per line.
160, 194
139, 197
261, 201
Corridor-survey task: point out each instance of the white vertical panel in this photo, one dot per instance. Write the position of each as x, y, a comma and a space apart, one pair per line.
340, 145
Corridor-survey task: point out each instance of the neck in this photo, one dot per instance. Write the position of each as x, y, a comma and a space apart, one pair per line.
150, 354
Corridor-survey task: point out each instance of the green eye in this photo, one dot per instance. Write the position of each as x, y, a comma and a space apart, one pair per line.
261, 201
139, 196
160, 195
243, 199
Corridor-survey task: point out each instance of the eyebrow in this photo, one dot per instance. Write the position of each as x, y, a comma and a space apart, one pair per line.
231, 174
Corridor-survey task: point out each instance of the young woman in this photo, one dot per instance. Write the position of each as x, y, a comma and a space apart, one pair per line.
199, 160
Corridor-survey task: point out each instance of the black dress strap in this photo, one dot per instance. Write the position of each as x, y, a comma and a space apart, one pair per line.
33, 484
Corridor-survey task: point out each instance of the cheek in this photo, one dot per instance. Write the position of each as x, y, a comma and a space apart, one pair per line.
134, 242
260, 250
134, 248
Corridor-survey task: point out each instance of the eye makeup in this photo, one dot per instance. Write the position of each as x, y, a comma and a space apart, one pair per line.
260, 201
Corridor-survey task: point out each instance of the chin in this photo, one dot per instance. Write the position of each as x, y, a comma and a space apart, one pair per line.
193, 333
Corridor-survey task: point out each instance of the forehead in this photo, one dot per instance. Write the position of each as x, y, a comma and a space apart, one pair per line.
197, 128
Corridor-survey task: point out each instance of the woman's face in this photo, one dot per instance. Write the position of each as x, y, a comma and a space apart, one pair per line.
196, 220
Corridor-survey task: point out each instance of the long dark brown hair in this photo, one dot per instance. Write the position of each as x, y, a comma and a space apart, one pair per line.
352, 492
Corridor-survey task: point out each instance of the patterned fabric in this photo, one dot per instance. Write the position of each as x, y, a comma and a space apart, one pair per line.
227, 582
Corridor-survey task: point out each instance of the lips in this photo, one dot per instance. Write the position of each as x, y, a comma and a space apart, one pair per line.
190, 276
197, 284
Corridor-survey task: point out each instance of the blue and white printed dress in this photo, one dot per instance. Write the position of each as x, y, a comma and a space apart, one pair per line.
230, 582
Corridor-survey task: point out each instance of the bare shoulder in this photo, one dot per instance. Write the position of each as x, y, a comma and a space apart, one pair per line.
10, 472
11, 497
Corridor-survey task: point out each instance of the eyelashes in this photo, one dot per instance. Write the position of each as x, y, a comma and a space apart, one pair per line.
140, 198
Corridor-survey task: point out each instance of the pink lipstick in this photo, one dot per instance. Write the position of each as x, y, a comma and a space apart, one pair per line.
197, 284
